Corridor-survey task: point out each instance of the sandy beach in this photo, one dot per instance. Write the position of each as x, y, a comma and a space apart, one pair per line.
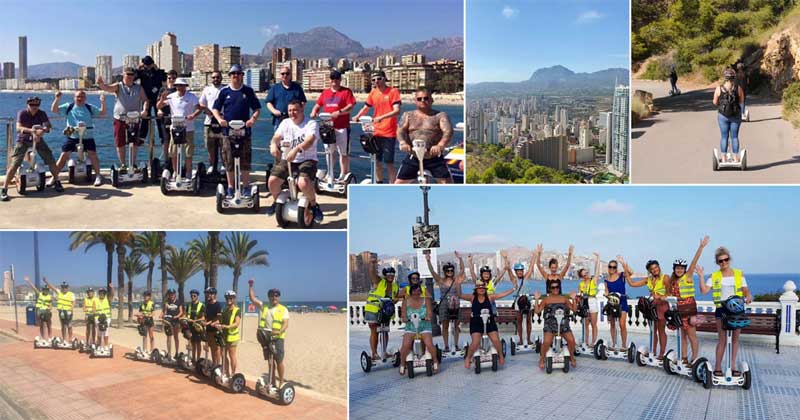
316, 349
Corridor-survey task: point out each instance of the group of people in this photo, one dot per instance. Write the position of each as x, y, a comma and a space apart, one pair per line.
723, 283
168, 95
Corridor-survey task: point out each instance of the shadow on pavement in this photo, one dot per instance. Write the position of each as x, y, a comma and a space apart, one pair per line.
701, 100
792, 160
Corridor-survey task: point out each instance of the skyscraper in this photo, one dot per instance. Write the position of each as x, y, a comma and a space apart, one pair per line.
130, 61
87, 73
103, 68
206, 58
165, 52
280, 55
605, 136
23, 58
229, 56
620, 133
8, 70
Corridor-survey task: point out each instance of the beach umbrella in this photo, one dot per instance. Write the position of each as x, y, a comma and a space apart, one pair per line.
332, 307
318, 308
344, 309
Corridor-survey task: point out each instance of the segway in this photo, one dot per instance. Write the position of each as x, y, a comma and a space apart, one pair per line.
644, 357
418, 148
30, 171
181, 182
523, 304
486, 355
79, 167
265, 385
673, 364
583, 349
101, 351
728, 162
674, 92
291, 203
205, 365
370, 146
557, 356
612, 309
458, 351
139, 353
215, 174
188, 327
125, 175
733, 318
326, 180
41, 343
237, 133
389, 357
165, 357
419, 360
235, 383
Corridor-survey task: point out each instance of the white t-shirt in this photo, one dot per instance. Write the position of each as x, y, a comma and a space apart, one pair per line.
728, 288
207, 99
183, 106
296, 133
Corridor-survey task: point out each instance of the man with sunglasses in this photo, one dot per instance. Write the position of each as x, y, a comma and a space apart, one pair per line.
425, 123
280, 94
212, 135
385, 102
278, 317
31, 116
130, 97
338, 101
152, 80
235, 102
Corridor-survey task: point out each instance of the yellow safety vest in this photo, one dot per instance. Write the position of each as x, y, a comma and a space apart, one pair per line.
686, 286
278, 313
424, 291
65, 301
233, 333
146, 308
490, 287
194, 309
378, 293
88, 305
716, 286
44, 301
103, 307
657, 285
589, 289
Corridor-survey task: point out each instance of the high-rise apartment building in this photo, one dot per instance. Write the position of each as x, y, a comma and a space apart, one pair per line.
23, 58
87, 73
410, 59
620, 133
229, 56
206, 58
165, 52
551, 152
384, 61
103, 68
8, 70
356, 80
130, 61
279, 56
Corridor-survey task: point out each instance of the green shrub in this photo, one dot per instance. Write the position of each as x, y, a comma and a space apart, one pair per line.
656, 70
791, 104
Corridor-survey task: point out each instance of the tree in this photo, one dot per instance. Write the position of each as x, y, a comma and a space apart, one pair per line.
133, 266
202, 248
122, 239
148, 244
236, 254
89, 239
213, 240
162, 252
181, 264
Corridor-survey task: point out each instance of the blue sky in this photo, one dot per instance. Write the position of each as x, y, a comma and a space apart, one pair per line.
663, 223
318, 274
508, 39
79, 30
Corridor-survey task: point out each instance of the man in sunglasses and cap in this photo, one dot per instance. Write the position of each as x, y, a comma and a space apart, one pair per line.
385, 102
27, 118
278, 318
425, 123
281, 93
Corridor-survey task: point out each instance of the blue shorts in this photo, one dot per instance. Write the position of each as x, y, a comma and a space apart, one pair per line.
437, 166
385, 149
71, 145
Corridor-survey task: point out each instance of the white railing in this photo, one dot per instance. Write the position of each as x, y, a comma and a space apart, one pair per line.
788, 306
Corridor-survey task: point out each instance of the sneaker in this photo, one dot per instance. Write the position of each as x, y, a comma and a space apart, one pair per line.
317, 213
4, 194
271, 210
58, 186
230, 193
123, 169
51, 182
246, 191
98, 180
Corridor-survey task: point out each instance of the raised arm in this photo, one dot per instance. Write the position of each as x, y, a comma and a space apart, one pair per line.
531, 265
703, 243
627, 270
373, 271
539, 249
537, 302
703, 288
48, 285
472, 267
112, 88
435, 275
596, 266
460, 277
28, 280
54, 105
252, 293
103, 108
565, 270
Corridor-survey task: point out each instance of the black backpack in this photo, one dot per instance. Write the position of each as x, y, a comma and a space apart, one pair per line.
72, 105
729, 102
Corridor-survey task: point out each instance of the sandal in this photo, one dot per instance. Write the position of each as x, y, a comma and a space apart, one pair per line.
447, 349
736, 373
685, 361
402, 370
717, 373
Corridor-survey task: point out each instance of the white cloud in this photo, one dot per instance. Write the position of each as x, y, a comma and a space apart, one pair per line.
484, 241
270, 30
62, 52
589, 16
509, 12
610, 206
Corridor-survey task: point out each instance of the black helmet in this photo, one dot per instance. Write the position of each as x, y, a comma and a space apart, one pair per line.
194, 292
170, 291
148, 293
64, 284
273, 292
89, 290
211, 290
673, 319
486, 269
448, 266
413, 273
649, 263
388, 270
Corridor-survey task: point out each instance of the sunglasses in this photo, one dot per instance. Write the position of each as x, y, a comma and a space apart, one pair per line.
285, 74
216, 77
236, 74
723, 260
424, 99
375, 79
130, 74
612, 267
33, 105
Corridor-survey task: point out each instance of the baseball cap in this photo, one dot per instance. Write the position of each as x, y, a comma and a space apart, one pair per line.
235, 69
147, 60
335, 75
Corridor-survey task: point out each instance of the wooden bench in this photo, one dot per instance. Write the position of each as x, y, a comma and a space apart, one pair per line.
760, 324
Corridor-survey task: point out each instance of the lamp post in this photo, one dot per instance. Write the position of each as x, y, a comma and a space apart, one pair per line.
436, 329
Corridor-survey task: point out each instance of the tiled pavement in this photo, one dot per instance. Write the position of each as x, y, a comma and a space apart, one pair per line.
596, 390
67, 385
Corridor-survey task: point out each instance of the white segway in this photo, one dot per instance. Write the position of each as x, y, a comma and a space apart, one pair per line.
557, 356
235, 383
181, 182
486, 355
726, 161
672, 359
420, 359
583, 349
139, 353
291, 203
389, 357
61, 344
418, 148
79, 167
125, 175
369, 145
731, 320
265, 385
188, 326
459, 350
165, 357
100, 351
237, 133
326, 180
215, 174
522, 347
645, 357
205, 365
41, 343
601, 351
30, 172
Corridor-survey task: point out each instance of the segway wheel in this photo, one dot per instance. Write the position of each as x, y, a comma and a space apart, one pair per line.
352, 180
503, 346
748, 379
256, 200
410, 369
697, 369
146, 178
366, 362
201, 173
396, 362
429, 367
75, 343
71, 176
156, 355
258, 388
198, 367
632, 353
111, 352
301, 218
155, 165
667, 365
238, 383
438, 354
707, 377
640, 359
495, 362
89, 173
566, 366
715, 163
513, 347
287, 394
279, 215
40, 185
22, 184
744, 161
599, 350
114, 177
538, 346
477, 361
164, 189
548, 365
220, 210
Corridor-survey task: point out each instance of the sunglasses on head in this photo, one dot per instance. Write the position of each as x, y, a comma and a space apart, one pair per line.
424, 98
723, 260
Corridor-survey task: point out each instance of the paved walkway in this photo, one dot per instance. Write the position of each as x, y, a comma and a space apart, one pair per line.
67, 385
521, 391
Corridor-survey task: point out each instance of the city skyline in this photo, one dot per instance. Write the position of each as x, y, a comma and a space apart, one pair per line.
639, 223
50, 43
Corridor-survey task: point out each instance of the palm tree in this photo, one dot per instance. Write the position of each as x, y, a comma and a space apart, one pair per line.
236, 254
148, 244
202, 248
213, 241
89, 239
133, 266
181, 264
162, 252
122, 239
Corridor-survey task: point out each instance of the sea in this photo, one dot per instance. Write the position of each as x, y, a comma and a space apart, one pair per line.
11, 103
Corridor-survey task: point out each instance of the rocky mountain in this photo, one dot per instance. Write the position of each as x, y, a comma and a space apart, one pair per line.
53, 70
434, 48
556, 80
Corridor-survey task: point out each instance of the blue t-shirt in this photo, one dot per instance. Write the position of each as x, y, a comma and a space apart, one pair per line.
79, 113
280, 96
236, 104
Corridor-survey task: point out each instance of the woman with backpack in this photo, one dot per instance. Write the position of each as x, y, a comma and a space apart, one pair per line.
729, 100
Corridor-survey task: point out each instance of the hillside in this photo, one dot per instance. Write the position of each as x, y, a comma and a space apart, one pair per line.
556, 80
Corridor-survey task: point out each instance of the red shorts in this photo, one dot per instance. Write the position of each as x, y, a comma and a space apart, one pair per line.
119, 134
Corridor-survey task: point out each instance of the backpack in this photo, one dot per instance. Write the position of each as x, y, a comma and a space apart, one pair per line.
72, 105
729, 102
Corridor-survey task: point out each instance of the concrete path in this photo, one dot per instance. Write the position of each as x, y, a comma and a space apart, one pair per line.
67, 385
676, 145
